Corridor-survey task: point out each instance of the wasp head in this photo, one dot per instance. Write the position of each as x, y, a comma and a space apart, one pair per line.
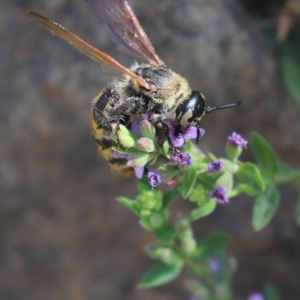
191, 111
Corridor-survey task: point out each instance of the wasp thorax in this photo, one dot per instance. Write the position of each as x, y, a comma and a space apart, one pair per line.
155, 75
190, 111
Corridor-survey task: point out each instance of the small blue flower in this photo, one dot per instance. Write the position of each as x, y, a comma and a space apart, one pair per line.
236, 140
154, 179
255, 296
215, 166
219, 194
182, 159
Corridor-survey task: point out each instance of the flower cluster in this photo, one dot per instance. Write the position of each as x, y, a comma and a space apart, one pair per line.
142, 149
140, 146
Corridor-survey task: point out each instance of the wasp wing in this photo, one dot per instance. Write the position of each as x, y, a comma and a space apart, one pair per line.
85, 47
125, 29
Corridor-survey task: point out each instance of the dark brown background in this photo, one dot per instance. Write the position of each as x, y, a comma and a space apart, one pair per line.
62, 234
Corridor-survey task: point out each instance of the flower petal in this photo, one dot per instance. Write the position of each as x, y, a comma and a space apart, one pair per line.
135, 128
119, 155
190, 133
139, 172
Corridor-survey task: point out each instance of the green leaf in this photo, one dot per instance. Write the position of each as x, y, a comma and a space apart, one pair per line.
245, 188
291, 73
166, 147
165, 234
264, 153
225, 180
265, 207
200, 193
211, 245
154, 159
297, 213
271, 292
158, 275
167, 172
169, 197
249, 173
129, 203
139, 160
286, 173
202, 210
143, 185
188, 181
126, 151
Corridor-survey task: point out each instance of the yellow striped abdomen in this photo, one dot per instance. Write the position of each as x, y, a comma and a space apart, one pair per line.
104, 147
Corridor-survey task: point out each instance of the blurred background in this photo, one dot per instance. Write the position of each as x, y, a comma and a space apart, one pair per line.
62, 233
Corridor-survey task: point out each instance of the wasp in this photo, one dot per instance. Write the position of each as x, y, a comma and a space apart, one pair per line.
148, 88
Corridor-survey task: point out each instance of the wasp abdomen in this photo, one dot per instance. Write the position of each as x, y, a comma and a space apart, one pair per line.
102, 119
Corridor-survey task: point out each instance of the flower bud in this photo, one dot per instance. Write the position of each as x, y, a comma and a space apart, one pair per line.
139, 160
145, 144
126, 141
124, 136
234, 145
147, 129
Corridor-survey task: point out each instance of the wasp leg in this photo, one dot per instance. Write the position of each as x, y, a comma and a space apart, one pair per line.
162, 131
198, 134
124, 107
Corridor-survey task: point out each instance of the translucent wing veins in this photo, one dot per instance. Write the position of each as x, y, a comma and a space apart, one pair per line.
125, 29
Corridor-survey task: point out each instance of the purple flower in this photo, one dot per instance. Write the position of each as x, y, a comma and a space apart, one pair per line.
219, 194
236, 140
120, 155
188, 134
139, 172
182, 159
255, 296
135, 128
154, 179
194, 298
215, 265
215, 166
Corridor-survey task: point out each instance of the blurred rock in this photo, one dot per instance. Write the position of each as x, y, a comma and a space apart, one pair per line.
63, 235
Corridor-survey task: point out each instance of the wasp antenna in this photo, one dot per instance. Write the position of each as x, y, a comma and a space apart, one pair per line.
210, 109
